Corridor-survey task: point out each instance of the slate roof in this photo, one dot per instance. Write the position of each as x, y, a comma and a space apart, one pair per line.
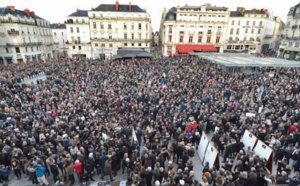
81, 13
21, 13
58, 26
122, 8
238, 14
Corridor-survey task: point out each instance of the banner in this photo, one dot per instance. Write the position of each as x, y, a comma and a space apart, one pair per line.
212, 156
264, 151
202, 146
249, 140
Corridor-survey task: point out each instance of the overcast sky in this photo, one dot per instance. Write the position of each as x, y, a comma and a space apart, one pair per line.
56, 10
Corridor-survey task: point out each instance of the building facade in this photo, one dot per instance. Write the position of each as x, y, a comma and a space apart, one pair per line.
24, 36
193, 28
59, 33
250, 31
78, 35
114, 26
290, 45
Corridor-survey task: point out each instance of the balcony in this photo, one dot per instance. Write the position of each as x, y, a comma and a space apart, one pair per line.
219, 33
294, 26
119, 18
17, 21
268, 36
31, 43
121, 40
75, 42
13, 32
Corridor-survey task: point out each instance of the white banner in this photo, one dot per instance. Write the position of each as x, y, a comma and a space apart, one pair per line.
202, 146
249, 140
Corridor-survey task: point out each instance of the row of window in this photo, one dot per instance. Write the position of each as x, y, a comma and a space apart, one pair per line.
38, 22
62, 33
40, 31
200, 40
132, 36
247, 23
237, 31
125, 27
240, 47
110, 45
18, 50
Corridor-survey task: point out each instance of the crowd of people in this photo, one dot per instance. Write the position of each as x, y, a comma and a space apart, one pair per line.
144, 119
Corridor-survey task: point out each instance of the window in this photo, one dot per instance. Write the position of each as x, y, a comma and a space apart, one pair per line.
10, 19
132, 26
297, 43
239, 23
31, 49
76, 20
109, 26
208, 40
83, 21
125, 44
62, 33
146, 36
101, 26
170, 39
170, 29
77, 29
71, 29
190, 39
54, 33
232, 22
74, 47
217, 40
237, 31
110, 45
109, 37
132, 44
208, 31
132, 36
260, 23
199, 39
147, 26
140, 26
94, 25
79, 47
78, 39
245, 38
103, 45
180, 39
125, 26
96, 44
125, 36
169, 48
258, 31
140, 36
181, 32
94, 15
17, 50
140, 44
247, 23
252, 31
253, 23
200, 32
7, 50
246, 31
231, 31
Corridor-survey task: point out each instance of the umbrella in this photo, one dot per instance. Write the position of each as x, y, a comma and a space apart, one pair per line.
144, 54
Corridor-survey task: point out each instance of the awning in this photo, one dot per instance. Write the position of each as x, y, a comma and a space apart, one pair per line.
205, 48
184, 48
170, 54
181, 37
170, 36
129, 56
191, 37
198, 48
200, 37
117, 57
208, 36
145, 54
7, 57
218, 37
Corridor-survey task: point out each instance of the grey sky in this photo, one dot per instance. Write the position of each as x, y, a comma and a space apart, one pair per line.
56, 10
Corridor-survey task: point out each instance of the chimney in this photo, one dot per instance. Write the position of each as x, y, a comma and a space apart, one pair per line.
77, 10
130, 7
12, 8
27, 12
117, 5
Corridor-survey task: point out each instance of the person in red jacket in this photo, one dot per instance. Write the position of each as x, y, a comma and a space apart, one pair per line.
293, 128
78, 169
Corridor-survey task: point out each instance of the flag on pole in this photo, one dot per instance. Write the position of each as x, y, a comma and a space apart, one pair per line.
133, 138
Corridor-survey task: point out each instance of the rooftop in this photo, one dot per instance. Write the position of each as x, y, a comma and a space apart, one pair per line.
79, 13
242, 13
58, 26
122, 8
208, 7
246, 60
11, 10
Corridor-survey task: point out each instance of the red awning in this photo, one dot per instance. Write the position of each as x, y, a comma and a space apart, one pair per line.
170, 36
169, 54
181, 37
199, 36
191, 37
218, 37
208, 36
198, 48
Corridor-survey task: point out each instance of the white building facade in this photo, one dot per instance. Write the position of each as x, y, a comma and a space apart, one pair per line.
24, 36
59, 33
250, 31
290, 45
193, 29
114, 26
78, 35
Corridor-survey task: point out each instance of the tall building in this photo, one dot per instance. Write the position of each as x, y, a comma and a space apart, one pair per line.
78, 35
250, 31
24, 36
290, 45
59, 33
193, 29
113, 26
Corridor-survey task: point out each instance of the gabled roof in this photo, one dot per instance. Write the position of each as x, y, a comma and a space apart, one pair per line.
21, 13
80, 13
58, 26
122, 8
